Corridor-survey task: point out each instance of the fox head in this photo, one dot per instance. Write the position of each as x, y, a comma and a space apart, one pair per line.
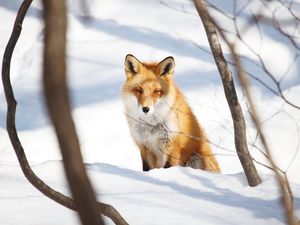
147, 84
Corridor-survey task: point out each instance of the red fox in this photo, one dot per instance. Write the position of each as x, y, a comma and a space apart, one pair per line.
161, 122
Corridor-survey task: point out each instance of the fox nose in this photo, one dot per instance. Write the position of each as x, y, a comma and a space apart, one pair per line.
145, 109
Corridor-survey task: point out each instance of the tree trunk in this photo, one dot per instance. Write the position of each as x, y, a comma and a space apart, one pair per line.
231, 96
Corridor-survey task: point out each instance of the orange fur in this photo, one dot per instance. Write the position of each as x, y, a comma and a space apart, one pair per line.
169, 134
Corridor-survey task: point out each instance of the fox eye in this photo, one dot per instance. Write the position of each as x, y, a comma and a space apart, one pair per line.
139, 90
157, 92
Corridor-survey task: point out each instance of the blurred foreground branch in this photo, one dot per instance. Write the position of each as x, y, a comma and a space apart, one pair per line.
58, 197
58, 104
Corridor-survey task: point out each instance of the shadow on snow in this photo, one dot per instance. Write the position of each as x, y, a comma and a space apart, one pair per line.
268, 208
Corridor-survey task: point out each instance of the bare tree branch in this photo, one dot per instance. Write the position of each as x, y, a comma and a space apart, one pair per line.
58, 197
279, 91
286, 193
231, 96
254, 19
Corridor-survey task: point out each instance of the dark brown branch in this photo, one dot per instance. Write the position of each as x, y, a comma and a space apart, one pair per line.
58, 104
286, 194
231, 96
58, 197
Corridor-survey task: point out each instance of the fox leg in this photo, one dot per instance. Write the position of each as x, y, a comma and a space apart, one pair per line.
148, 159
208, 159
173, 157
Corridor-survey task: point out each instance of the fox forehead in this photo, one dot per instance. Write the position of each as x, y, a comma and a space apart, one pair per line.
147, 83
148, 71
149, 68
150, 84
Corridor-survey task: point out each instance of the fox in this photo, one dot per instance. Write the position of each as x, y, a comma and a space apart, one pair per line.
160, 120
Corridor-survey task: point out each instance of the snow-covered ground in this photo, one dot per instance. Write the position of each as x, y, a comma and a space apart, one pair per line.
151, 30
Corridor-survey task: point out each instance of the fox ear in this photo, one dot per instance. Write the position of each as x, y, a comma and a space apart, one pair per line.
132, 65
166, 66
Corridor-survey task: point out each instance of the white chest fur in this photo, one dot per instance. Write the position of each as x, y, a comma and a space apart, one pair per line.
155, 136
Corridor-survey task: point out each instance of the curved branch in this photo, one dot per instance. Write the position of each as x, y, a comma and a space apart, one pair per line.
58, 197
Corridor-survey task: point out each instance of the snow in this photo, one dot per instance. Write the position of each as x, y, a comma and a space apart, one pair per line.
150, 30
